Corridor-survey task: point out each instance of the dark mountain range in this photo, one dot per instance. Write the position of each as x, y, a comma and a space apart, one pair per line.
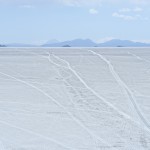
73, 43
122, 43
84, 43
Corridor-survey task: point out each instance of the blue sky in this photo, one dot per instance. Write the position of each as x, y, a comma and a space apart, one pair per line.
37, 21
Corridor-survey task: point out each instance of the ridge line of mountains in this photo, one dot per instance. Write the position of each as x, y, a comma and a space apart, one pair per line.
83, 43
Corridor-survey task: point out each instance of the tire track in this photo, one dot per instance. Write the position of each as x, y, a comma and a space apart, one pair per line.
34, 133
1, 146
125, 87
139, 58
89, 88
68, 66
61, 106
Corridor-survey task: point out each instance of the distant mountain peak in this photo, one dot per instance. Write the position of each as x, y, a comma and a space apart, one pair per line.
85, 43
73, 43
122, 43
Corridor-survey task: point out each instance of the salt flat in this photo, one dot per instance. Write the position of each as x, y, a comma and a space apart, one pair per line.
74, 99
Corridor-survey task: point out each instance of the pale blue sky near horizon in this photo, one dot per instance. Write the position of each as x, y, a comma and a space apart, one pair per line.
37, 21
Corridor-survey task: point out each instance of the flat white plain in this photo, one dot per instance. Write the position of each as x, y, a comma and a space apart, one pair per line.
73, 98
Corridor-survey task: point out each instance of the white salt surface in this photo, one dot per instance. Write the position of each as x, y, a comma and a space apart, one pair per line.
74, 99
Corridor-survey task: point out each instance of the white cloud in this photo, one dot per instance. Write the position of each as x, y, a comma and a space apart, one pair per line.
78, 3
130, 14
140, 2
81, 2
27, 6
89, 3
142, 18
129, 17
93, 11
124, 17
146, 18
125, 10
137, 9
99, 2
